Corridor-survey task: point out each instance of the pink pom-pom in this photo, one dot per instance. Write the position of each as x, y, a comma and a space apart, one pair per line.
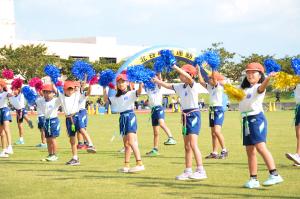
16, 83
37, 83
111, 85
94, 80
59, 83
7, 74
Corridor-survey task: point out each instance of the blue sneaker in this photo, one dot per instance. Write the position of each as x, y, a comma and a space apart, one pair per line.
273, 180
252, 184
18, 142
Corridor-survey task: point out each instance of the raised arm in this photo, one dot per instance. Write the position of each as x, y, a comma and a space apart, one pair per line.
162, 83
200, 78
190, 80
105, 97
139, 91
265, 83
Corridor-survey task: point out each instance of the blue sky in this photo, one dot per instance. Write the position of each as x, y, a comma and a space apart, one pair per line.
244, 26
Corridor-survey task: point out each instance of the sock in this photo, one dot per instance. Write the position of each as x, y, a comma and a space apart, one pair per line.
139, 163
86, 142
224, 150
216, 153
80, 143
200, 168
155, 149
188, 170
253, 177
75, 157
273, 172
126, 164
90, 144
21, 139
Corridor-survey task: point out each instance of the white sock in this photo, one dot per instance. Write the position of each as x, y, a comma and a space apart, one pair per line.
216, 153
224, 150
21, 139
188, 170
75, 157
200, 168
91, 144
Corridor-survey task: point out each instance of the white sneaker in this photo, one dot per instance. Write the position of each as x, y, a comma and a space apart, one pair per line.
198, 175
136, 169
273, 180
3, 155
184, 176
9, 150
124, 170
252, 184
293, 157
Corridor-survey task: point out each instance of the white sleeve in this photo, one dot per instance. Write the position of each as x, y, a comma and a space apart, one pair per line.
176, 87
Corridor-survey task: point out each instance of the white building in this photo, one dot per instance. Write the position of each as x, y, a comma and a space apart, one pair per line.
93, 48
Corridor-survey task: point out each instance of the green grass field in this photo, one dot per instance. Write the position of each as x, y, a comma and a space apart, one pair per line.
23, 175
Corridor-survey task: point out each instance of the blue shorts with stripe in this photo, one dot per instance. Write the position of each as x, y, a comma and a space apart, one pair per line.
41, 122
52, 127
70, 121
20, 115
5, 115
191, 121
256, 131
83, 120
157, 113
216, 115
127, 122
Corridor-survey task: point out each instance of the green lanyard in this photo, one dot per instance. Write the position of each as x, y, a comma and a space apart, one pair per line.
246, 124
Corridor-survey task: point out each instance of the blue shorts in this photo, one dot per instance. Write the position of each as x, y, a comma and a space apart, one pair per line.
216, 116
20, 115
83, 118
191, 121
5, 115
127, 122
297, 115
73, 120
157, 113
41, 122
52, 127
257, 131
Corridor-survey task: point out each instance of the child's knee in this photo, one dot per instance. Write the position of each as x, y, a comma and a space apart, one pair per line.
187, 147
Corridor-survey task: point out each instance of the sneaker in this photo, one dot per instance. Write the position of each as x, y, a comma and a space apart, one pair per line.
184, 176
152, 153
52, 158
122, 150
293, 157
223, 155
3, 154
82, 146
18, 142
91, 149
45, 159
170, 141
30, 124
9, 151
198, 175
212, 156
252, 184
41, 145
73, 162
124, 170
273, 180
136, 169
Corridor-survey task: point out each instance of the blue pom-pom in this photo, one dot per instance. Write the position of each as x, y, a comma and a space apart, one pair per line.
296, 65
159, 65
198, 61
60, 89
140, 74
168, 57
212, 58
106, 77
53, 72
29, 94
271, 66
81, 68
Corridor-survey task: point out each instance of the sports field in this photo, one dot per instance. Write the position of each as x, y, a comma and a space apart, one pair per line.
24, 175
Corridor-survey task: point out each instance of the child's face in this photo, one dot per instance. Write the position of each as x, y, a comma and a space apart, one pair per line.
183, 78
122, 85
48, 95
16, 91
69, 91
253, 76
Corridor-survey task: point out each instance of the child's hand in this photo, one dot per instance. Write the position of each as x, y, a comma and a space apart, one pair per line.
272, 74
154, 79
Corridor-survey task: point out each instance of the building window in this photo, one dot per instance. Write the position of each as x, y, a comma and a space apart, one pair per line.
80, 58
108, 60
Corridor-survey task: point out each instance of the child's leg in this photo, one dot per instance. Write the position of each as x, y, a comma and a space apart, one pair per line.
267, 156
49, 146
219, 135
80, 138
252, 160
43, 138
163, 125
127, 150
194, 146
7, 132
156, 136
73, 147
21, 130
53, 145
214, 140
86, 136
188, 151
132, 140
298, 139
3, 138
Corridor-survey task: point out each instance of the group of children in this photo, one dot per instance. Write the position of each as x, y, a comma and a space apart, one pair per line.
254, 123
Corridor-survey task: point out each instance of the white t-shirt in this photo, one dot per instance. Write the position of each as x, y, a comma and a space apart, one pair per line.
124, 102
155, 96
39, 105
49, 109
252, 103
82, 101
18, 101
188, 95
297, 94
215, 94
3, 99
70, 104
